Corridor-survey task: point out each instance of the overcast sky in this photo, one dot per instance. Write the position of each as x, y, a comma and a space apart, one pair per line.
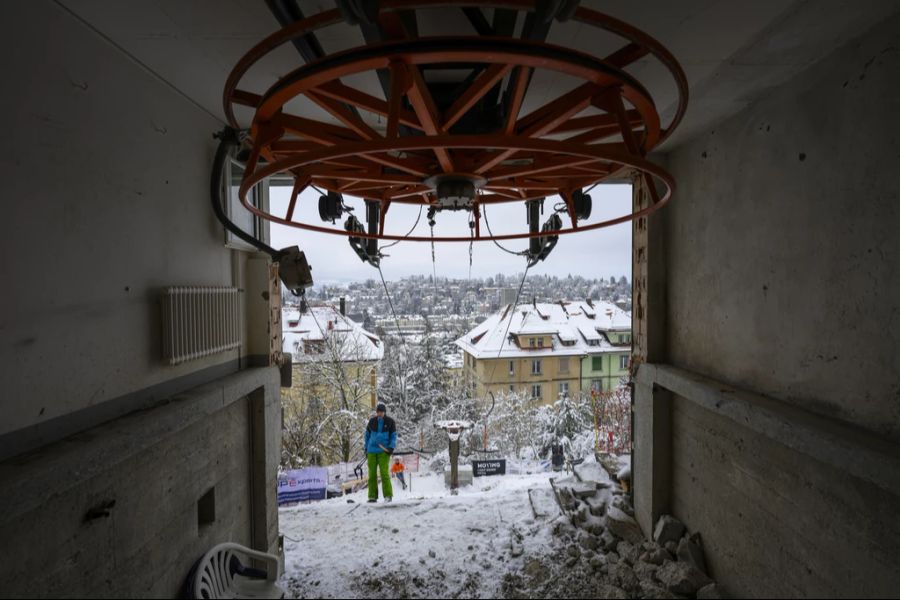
600, 253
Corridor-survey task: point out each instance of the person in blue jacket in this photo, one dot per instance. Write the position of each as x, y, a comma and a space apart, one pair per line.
381, 439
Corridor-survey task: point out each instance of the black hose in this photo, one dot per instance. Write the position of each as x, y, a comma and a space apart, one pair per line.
228, 139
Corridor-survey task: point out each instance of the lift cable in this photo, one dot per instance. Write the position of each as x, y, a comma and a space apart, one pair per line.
507, 250
402, 340
408, 233
433, 263
471, 242
512, 313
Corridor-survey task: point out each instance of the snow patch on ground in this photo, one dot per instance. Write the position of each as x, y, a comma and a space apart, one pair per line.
426, 543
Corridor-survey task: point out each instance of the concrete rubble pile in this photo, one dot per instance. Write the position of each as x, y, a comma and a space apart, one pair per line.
603, 552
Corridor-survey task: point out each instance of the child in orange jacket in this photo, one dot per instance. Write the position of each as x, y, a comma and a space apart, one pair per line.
397, 469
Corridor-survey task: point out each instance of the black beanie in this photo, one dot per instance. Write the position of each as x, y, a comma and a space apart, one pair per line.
381, 408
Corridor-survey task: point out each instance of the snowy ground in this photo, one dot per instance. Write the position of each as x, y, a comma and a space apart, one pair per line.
425, 543
503, 537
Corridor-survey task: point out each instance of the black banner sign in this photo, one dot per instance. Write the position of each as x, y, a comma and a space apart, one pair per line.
481, 468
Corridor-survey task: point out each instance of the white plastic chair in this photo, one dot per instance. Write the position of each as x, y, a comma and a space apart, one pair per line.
214, 579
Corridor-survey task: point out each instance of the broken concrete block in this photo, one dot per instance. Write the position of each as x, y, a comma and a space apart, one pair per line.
597, 505
651, 590
668, 529
622, 504
563, 528
709, 592
536, 571
656, 557
682, 578
580, 516
645, 571
623, 526
584, 489
598, 562
690, 550
623, 576
567, 500
609, 591
590, 470
609, 540
628, 551
590, 542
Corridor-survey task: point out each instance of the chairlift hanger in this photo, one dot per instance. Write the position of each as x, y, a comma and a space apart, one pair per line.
458, 152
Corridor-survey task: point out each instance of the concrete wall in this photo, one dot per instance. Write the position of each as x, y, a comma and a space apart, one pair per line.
105, 170
793, 526
783, 253
782, 278
113, 512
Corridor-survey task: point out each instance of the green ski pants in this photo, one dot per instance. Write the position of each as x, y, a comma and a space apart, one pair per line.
379, 461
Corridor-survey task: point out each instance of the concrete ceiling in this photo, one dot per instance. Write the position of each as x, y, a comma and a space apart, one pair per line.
732, 52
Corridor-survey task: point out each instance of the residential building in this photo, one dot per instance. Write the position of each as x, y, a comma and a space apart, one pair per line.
611, 330
330, 352
544, 350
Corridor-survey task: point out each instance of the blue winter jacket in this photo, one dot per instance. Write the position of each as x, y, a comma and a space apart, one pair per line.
381, 431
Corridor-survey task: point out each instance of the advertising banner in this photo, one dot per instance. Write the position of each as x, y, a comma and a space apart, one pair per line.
302, 485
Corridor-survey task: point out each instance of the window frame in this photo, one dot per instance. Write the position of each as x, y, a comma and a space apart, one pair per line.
239, 215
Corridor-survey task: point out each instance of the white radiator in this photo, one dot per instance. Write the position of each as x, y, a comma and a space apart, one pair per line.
200, 321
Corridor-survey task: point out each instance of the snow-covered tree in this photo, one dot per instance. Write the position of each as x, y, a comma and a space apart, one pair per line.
326, 411
418, 391
613, 413
511, 427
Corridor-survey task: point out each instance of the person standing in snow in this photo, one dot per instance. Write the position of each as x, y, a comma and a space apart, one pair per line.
397, 469
558, 459
381, 439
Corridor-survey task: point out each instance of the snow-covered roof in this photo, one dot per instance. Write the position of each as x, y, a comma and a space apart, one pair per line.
567, 333
577, 324
589, 333
305, 335
453, 361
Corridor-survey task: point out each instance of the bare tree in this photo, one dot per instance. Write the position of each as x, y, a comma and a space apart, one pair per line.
325, 412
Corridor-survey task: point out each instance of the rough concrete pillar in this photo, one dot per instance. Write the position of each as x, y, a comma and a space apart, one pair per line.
651, 406
652, 457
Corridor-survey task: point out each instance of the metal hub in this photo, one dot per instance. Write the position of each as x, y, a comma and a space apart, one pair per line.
455, 191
